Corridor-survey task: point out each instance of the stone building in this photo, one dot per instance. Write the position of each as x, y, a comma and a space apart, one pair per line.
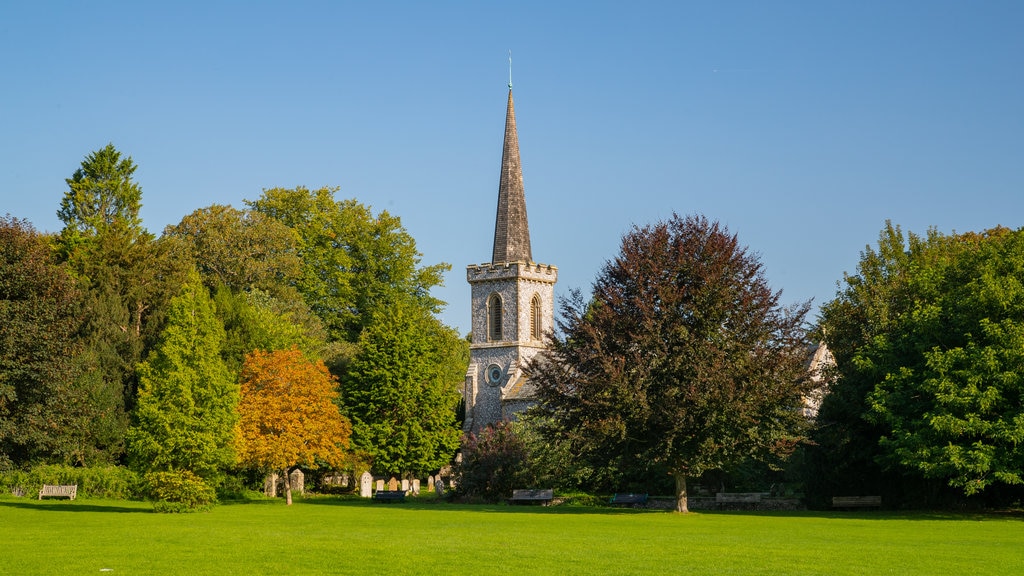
512, 301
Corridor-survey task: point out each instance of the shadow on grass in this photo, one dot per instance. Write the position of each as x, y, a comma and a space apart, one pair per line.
433, 504
72, 506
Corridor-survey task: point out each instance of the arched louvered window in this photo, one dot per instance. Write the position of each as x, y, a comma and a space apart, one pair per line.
494, 332
536, 329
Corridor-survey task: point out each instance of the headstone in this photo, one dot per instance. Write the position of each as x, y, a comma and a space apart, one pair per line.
430, 483
451, 483
393, 484
380, 485
298, 481
365, 485
405, 485
270, 485
439, 487
415, 486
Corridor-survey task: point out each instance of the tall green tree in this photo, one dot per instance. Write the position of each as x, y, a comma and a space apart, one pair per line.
51, 408
127, 277
401, 390
187, 397
928, 339
682, 361
354, 263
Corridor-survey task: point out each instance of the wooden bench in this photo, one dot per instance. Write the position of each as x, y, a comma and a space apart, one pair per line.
65, 491
856, 501
737, 499
389, 495
630, 499
530, 496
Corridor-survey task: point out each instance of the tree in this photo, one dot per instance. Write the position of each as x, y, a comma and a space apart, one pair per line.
240, 249
681, 362
126, 276
353, 263
929, 340
402, 389
51, 409
101, 195
287, 415
187, 397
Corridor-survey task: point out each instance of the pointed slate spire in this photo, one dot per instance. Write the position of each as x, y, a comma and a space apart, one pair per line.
511, 230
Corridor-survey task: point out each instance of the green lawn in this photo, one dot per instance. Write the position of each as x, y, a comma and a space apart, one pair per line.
334, 536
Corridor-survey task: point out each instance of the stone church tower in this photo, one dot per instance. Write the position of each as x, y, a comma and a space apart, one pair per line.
513, 303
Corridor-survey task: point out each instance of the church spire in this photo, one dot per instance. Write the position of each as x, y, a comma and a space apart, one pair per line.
511, 230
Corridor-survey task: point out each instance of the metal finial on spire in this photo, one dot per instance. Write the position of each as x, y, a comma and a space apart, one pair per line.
509, 69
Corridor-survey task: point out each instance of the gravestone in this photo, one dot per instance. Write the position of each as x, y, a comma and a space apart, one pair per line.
392, 484
430, 483
298, 481
415, 486
270, 485
405, 485
439, 487
365, 485
380, 485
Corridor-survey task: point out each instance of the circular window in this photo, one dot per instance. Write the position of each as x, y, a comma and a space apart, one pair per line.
493, 374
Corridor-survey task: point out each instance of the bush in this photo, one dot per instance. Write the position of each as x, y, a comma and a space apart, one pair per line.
494, 463
179, 491
112, 482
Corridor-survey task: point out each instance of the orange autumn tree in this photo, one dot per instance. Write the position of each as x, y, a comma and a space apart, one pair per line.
287, 414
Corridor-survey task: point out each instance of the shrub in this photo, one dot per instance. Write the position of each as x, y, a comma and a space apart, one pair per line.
494, 463
112, 482
179, 491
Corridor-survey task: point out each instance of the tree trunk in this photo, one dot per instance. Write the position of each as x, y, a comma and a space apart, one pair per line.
681, 504
288, 487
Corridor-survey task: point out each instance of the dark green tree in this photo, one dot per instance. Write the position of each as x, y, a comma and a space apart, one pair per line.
401, 390
51, 407
126, 276
187, 397
681, 362
928, 339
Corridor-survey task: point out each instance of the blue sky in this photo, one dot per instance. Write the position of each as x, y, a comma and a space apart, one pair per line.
802, 126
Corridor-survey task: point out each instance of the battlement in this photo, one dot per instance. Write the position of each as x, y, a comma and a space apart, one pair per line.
505, 270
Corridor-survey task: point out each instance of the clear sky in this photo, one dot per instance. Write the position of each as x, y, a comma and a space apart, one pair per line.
802, 126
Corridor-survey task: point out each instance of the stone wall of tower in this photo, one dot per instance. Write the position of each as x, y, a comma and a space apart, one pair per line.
487, 397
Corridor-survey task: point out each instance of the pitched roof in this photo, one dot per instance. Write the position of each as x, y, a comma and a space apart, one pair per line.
511, 229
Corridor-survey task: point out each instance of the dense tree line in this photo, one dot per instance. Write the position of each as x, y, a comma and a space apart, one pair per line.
118, 346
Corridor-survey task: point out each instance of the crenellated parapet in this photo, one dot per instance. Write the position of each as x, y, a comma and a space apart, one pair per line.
546, 273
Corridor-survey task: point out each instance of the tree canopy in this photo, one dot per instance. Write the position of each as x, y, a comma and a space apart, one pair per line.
929, 341
682, 360
287, 415
187, 397
402, 389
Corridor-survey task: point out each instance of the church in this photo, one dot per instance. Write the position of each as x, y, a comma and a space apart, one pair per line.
512, 303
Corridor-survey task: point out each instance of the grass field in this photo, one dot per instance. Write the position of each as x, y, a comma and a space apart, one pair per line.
345, 536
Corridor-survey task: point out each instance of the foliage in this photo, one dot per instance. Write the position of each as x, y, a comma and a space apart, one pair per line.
402, 388
101, 195
239, 249
287, 415
51, 409
179, 491
126, 276
929, 337
111, 482
187, 398
353, 263
681, 362
494, 463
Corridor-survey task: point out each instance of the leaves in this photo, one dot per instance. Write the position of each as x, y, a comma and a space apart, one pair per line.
287, 415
